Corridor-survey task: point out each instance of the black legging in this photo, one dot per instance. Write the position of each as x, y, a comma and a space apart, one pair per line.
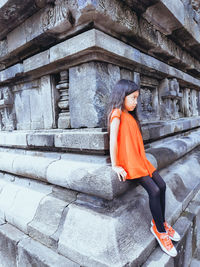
156, 188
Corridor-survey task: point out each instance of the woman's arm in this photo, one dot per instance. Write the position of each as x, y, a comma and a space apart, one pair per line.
114, 129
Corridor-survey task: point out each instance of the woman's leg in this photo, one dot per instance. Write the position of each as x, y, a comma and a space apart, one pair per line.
154, 200
162, 185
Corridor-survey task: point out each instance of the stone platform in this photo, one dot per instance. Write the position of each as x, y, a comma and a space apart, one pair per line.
109, 222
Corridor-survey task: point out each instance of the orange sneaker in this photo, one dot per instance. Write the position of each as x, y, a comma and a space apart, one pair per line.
173, 235
164, 242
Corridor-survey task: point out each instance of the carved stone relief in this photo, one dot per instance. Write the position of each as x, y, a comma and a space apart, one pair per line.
57, 15
148, 106
170, 96
7, 115
196, 9
190, 102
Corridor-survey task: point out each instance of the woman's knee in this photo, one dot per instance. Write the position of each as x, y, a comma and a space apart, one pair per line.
155, 193
159, 180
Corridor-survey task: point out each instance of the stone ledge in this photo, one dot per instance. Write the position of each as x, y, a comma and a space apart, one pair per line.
93, 140
90, 140
104, 48
78, 172
153, 131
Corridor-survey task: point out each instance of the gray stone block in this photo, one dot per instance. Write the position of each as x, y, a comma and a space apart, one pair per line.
36, 61
32, 253
9, 239
82, 140
30, 166
47, 218
171, 150
40, 140
11, 72
86, 177
158, 258
194, 208
89, 94
107, 237
23, 208
184, 247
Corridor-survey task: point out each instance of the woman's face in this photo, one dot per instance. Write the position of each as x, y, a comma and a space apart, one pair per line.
130, 101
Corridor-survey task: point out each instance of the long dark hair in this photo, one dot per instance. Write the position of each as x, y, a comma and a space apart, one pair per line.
121, 89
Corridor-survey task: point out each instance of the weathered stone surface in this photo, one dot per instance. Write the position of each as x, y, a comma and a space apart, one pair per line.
79, 172
11, 72
40, 140
17, 249
81, 223
44, 226
34, 167
107, 220
89, 216
7, 196
88, 140
28, 97
13, 13
20, 214
32, 253
168, 152
95, 38
95, 179
88, 94
9, 238
83, 48
37, 61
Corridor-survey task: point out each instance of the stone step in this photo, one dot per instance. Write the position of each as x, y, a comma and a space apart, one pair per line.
195, 262
18, 249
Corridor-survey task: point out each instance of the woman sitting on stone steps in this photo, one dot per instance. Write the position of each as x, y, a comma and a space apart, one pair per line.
129, 161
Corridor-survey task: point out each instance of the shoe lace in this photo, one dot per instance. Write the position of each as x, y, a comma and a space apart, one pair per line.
167, 242
169, 229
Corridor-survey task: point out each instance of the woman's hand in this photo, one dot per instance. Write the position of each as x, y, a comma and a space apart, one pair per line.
121, 173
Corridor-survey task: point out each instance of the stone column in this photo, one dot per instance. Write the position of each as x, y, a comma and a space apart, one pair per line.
63, 104
90, 85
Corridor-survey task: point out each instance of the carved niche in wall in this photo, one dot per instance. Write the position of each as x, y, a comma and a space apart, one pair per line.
148, 106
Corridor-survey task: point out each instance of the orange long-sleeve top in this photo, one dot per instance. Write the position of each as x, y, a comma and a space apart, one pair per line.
130, 147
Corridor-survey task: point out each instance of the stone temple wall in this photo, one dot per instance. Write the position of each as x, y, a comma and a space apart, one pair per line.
60, 202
